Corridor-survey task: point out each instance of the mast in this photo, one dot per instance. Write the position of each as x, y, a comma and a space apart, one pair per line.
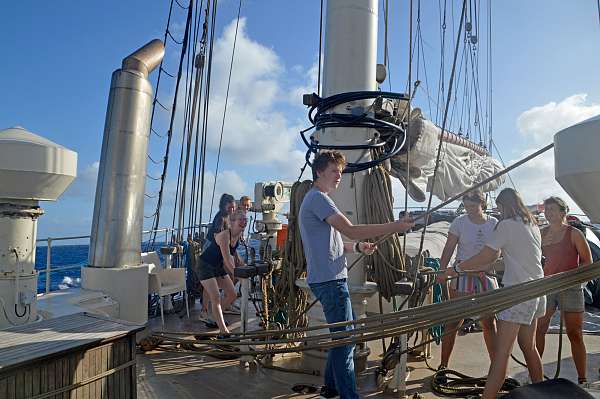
350, 63
349, 66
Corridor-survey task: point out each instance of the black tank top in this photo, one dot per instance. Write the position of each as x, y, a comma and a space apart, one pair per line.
213, 256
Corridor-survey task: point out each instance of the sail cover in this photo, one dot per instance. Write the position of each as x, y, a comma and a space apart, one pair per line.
462, 163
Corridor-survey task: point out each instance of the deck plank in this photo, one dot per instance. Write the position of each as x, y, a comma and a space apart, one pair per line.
22, 344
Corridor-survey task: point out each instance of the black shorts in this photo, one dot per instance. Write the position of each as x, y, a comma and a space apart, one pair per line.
207, 271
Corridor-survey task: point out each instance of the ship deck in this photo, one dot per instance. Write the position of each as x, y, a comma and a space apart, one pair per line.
163, 374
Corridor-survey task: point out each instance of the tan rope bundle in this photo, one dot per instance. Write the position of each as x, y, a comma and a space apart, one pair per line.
387, 261
287, 298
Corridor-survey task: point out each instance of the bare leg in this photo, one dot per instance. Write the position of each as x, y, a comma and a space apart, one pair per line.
503, 345
205, 300
526, 340
212, 289
226, 285
489, 334
448, 341
573, 323
542, 328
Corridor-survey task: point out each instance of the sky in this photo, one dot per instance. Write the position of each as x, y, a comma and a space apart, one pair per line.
57, 59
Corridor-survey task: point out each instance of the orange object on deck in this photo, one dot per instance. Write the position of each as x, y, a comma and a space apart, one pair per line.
282, 237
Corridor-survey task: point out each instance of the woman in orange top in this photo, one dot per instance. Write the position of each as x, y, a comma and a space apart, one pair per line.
564, 248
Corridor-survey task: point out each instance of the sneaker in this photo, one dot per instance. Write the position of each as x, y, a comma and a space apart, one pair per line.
328, 393
440, 375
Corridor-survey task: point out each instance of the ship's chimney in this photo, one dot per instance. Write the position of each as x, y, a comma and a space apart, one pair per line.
118, 209
115, 244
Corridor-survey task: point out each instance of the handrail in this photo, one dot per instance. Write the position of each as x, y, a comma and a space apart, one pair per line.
48, 270
166, 229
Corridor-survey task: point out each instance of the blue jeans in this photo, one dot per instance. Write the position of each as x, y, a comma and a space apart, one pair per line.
339, 372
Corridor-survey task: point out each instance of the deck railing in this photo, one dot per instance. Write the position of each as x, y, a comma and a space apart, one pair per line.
48, 270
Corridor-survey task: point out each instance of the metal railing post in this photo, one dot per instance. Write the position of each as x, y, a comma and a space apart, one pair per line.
48, 263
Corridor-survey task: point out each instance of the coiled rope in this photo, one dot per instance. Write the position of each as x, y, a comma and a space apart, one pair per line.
387, 261
289, 302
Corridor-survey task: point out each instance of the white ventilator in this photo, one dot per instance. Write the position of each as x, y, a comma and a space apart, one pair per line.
32, 169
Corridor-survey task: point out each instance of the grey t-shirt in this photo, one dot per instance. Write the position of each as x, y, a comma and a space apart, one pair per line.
323, 245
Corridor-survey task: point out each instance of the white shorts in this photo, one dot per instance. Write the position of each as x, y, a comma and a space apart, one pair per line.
524, 313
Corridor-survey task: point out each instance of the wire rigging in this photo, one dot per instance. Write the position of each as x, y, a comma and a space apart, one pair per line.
206, 107
439, 149
320, 52
170, 130
225, 108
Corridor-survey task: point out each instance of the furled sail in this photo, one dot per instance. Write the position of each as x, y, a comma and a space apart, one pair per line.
462, 163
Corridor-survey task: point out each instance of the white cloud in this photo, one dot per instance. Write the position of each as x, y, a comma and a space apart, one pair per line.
310, 78
84, 185
535, 179
255, 132
541, 122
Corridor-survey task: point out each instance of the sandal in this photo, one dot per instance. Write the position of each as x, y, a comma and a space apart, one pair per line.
305, 388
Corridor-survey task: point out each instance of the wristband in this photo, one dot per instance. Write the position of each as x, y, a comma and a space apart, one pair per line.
357, 247
456, 268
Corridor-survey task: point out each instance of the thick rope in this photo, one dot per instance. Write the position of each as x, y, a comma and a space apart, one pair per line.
377, 197
288, 300
405, 321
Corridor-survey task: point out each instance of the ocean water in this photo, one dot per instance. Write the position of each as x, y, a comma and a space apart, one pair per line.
64, 257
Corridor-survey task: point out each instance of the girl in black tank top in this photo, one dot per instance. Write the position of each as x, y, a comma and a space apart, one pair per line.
216, 265
213, 256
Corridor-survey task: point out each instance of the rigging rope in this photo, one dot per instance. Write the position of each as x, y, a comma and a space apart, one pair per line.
190, 126
163, 70
408, 110
156, 90
401, 322
225, 107
206, 108
179, 208
320, 56
439, 149
170, 130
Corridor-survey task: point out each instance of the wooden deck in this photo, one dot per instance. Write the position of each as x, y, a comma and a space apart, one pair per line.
190, 375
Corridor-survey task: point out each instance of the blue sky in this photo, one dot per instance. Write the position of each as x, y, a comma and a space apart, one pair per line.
58, 57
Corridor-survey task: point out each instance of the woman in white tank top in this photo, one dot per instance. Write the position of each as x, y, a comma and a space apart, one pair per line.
468, 234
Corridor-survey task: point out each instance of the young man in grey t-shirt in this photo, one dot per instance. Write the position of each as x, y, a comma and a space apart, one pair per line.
321, 228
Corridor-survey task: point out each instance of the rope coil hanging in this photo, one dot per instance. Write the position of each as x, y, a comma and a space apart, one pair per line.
379, 209
392, 137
